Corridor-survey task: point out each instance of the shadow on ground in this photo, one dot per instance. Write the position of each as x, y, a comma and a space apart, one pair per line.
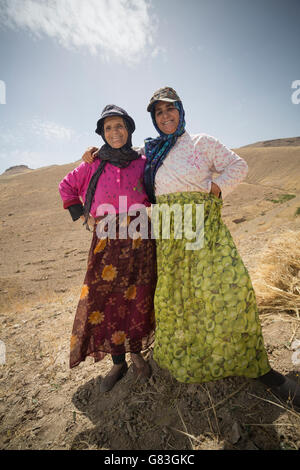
163, 414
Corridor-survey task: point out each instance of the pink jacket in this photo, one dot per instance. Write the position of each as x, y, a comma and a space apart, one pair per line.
113, 182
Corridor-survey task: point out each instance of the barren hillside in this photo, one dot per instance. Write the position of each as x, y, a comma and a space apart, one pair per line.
44, 405
286, 142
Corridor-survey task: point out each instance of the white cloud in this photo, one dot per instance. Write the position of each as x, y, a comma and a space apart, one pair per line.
159, 50
37, 142
34, 129
20, 157
120, 28
51, 130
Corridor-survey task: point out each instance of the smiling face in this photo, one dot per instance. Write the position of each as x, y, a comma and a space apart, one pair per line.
115, 132
166, 117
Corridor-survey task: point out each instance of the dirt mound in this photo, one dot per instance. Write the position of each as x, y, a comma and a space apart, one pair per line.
45, 405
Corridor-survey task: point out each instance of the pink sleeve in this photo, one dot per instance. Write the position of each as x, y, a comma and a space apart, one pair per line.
72, 187
232, 168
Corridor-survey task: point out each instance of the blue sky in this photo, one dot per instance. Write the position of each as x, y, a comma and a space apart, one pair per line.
233, 63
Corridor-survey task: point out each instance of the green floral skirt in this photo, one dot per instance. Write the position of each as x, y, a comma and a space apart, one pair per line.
207, 323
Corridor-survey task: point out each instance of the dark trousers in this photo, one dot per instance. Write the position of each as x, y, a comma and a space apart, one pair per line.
119, 359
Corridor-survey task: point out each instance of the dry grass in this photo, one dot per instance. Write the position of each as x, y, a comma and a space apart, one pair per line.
282, 198
277, 277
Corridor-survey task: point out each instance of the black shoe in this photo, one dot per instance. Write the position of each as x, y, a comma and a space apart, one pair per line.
289, 391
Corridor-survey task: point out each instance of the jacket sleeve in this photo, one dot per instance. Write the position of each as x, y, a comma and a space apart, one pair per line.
232, 168
71, 190
76, 211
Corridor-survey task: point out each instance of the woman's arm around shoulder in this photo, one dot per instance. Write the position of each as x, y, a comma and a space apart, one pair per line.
90, 154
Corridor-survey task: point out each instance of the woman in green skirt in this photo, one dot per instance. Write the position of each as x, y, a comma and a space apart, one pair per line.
207, 323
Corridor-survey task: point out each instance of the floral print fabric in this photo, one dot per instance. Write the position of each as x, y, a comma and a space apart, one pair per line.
115, 313
207, 324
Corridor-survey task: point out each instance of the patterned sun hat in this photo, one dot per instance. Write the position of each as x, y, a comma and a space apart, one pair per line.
163, 94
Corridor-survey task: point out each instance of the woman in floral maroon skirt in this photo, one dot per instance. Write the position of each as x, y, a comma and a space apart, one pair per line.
115, 313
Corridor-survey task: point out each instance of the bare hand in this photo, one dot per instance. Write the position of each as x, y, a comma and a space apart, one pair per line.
90, 221
215, 190
90, 154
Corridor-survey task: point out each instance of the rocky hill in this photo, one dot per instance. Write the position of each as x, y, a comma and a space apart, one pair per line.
16, 169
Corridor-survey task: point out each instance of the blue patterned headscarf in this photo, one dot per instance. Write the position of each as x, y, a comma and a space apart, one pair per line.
157, 149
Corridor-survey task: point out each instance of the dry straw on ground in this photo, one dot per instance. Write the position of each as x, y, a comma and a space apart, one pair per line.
277, 277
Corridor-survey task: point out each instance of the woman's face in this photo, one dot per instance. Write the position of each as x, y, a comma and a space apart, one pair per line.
115, 132
166, 117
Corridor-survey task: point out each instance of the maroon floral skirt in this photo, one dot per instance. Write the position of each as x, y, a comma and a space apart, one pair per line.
115, 313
